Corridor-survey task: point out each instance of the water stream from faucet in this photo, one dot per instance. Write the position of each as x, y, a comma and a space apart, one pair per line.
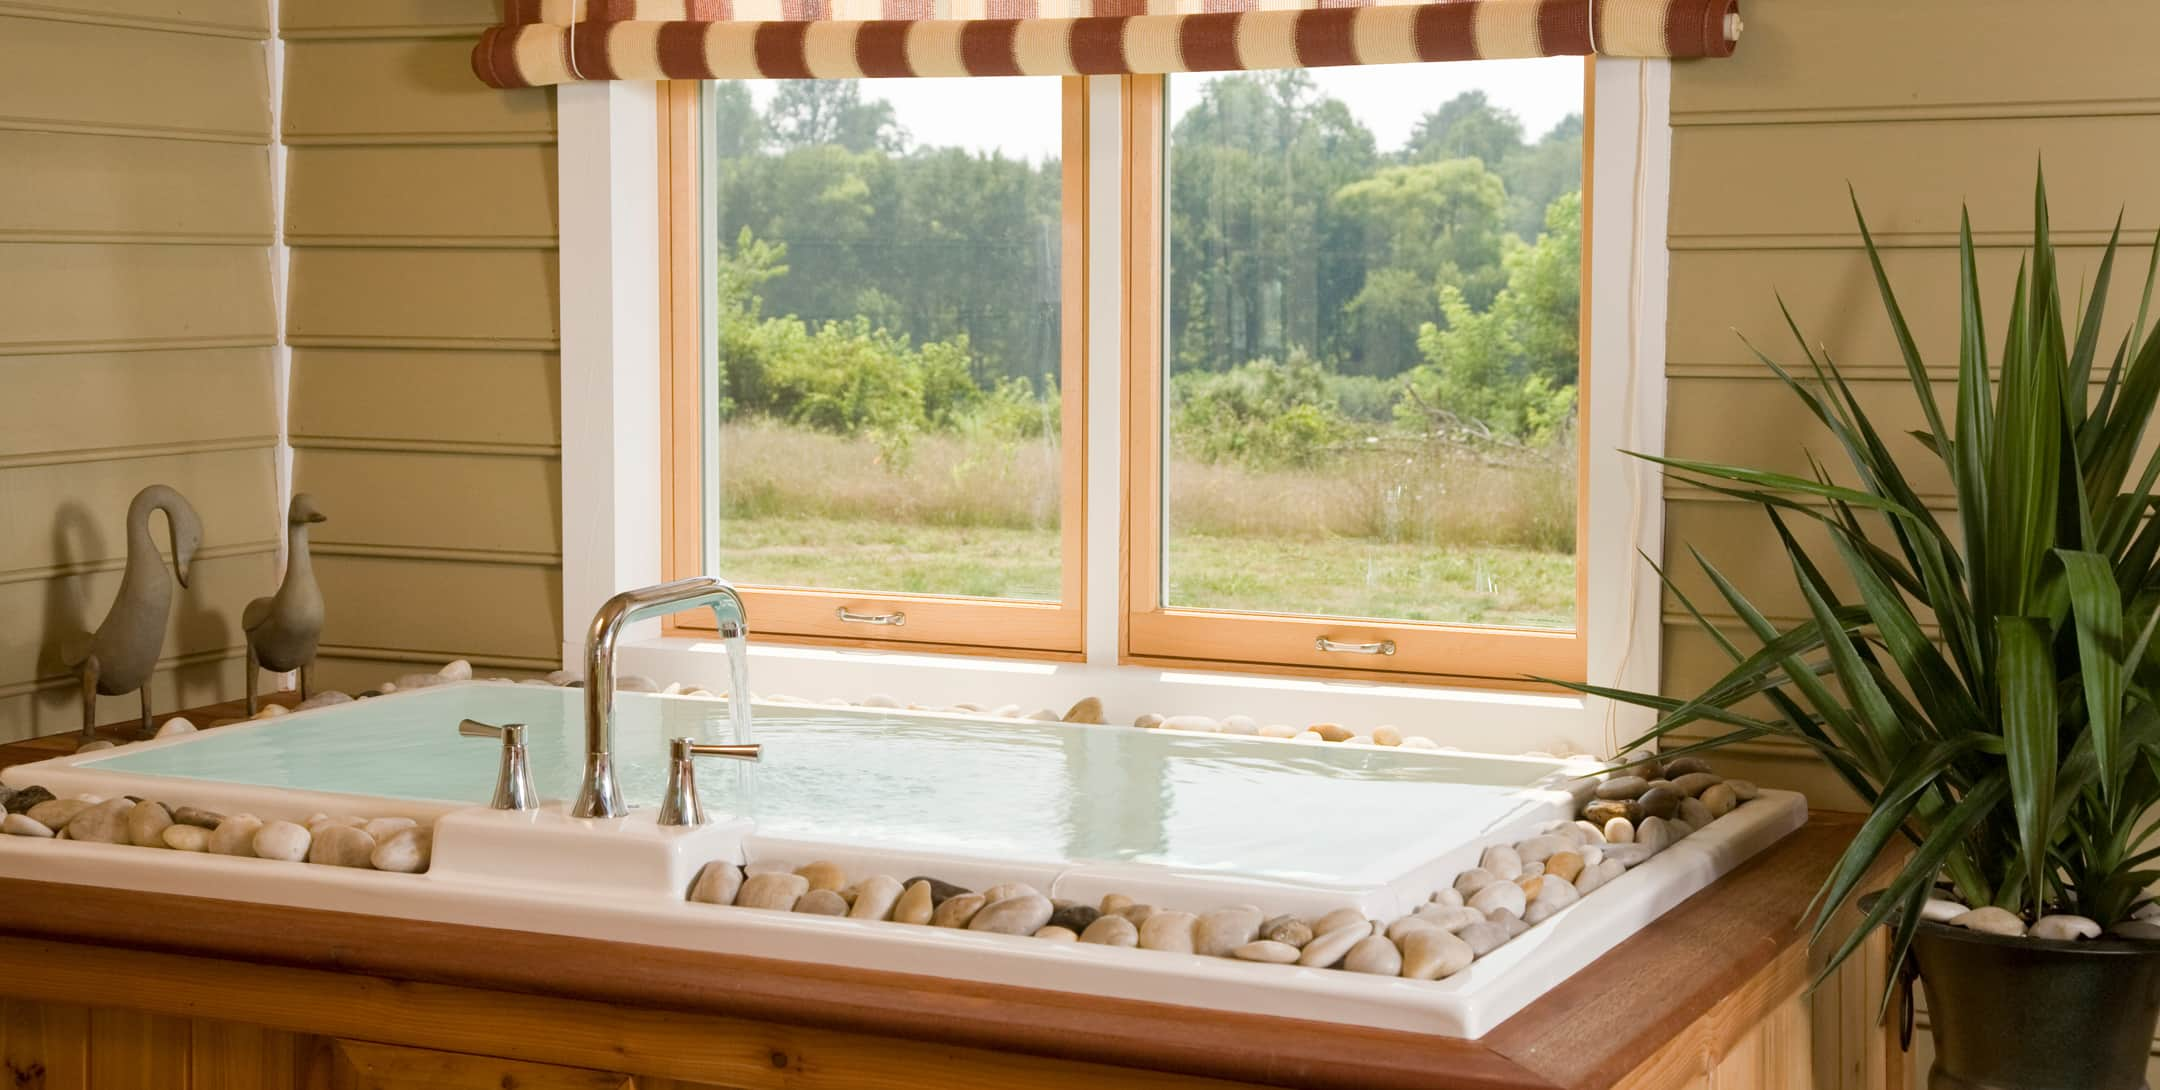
737, 642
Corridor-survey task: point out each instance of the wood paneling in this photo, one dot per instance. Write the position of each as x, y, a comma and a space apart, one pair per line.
424, 415
94, 78
137, 325
403, 91
94, 188
427, 196
103, 297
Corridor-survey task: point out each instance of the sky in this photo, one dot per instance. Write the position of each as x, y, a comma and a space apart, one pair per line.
1020, 116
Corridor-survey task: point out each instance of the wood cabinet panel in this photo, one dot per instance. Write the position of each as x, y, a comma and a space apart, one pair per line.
44, 1046
360, 1065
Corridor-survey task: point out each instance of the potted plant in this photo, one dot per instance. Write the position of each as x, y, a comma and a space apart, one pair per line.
1986, 679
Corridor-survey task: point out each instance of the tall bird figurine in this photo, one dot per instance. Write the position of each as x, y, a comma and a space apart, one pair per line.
282, 629
121, 655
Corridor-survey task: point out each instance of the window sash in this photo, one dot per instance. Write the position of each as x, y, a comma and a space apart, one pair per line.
933, 622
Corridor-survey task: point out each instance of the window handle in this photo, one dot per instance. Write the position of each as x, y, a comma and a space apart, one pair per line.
895, 618
1384, 647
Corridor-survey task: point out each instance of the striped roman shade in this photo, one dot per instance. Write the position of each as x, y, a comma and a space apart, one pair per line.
563, 41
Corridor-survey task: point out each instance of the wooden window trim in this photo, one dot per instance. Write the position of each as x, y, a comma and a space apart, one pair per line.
1009, 628
1154, 634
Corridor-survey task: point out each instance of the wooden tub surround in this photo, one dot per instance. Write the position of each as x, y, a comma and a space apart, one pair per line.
119, 989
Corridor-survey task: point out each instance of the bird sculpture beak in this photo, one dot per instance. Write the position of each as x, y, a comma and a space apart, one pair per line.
317, 516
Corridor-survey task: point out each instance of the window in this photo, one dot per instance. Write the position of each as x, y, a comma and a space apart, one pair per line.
1352, 308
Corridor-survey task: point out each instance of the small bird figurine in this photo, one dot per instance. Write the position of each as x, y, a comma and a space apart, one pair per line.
121, 655
282, 629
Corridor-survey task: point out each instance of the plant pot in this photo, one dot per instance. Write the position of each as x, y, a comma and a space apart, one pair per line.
2031, 1014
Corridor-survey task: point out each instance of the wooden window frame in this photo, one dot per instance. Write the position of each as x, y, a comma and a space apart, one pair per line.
947, 623
1155, 634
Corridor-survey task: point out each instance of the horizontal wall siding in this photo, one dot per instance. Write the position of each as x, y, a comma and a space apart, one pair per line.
422, 312
137, 330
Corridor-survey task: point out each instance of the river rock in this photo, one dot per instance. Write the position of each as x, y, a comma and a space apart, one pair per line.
1137, 914
822, 874
1171, 931
382, 827
1024, 914
1448, 895
1627, 855
717, 884
1004, 890
1718, 800
1509, 922
283, 841
1565, 866
1744, 790
323, 700
2064, 928
1054, 933
1654, 835
1502, 862
146, 824
1531, 883
178, 725
104, 823
1992, 920
1339, 918
1202, 723
915, 904
940, 890
1595, 875
23, 825
1240, 724
773, 892
1619, 831
1483, 937
1447, 917
1374, 954
1553, 895
1323, 952
236, 835
1217, 933
876, 898
408, 850
1695, 783
1279, 730
1418, 741
1115, 902
1661, 802
1680, 829
1333, 732
1087, 710
822, 902
1470, 881
1623, 787
20, 802
1538, 849
185, 838
1110, 929
1939, 910
1500, 897
957, 911
55, 814
1587, 834
1684, 766
1148, 721
1287, 930
1696, 813
189, 815
1592, 854
1403, 925
1266, 950
1601, 812
1387, 735
1433, 954
340, 846
1073, 916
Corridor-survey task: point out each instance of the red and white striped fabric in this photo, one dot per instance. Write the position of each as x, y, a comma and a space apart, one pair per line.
563, 41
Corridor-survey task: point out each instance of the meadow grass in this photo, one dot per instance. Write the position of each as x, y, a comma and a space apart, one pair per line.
1381, 534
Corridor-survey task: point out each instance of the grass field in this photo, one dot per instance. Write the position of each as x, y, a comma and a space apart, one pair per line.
1376, 536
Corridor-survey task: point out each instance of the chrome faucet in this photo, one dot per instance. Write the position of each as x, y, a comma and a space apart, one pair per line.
600, 796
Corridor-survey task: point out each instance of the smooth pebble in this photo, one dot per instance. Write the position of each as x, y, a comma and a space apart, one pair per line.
1500, 896
1470, 881
1327, 949
146, 824
775, 892
406, 851
957, 910
236, 835
717, 884
1266, 950
186, 838
1170, 931
876, 898
1433, 954
1024, 914
1110, 929
341, 846
822, 902
1502, 862
1719, 800
1553, 895
281, 840
1054, 933
1337, 919
23, 825
1992, 920
1217, 933
822, 874
2064, 928
1941, 911
1374, 954
1288, 930
1622, 787
915, 904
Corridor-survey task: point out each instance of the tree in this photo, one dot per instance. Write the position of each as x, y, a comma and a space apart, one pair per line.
1539, 174
1467, 126
1425, 225
813, 113
732, 122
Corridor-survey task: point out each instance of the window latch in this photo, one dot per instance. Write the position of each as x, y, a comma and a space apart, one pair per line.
895, 618
1384, 647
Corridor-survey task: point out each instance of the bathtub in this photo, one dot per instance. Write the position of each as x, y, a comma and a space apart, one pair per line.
1183, 821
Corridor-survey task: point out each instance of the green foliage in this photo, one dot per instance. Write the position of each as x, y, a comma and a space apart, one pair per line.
2017, 747
1261, 413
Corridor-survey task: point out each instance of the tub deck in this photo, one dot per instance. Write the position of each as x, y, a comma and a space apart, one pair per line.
183, 991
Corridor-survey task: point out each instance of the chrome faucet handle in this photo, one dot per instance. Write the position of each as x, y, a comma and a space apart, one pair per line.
513, 780
680, 805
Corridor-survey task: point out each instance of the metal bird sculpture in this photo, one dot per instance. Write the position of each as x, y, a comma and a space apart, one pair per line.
282, 629
121, 655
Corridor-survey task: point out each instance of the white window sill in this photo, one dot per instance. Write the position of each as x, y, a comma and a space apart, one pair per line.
1484, 720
